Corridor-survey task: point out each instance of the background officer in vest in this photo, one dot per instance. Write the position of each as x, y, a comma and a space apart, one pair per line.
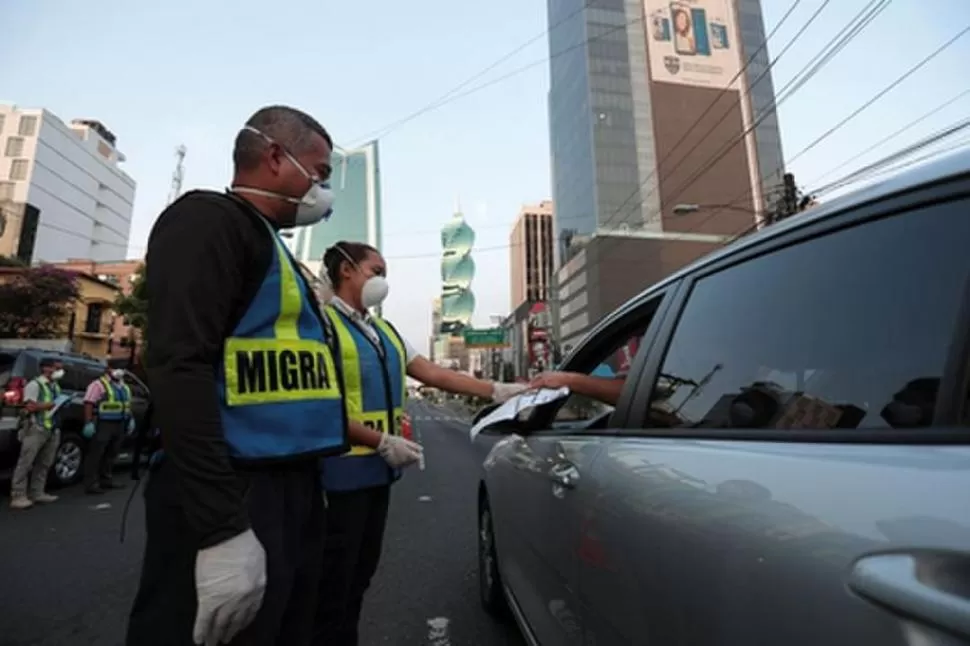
39, 438
375, 360
107, 415
247, 397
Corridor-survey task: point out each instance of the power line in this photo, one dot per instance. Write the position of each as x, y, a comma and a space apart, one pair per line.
885, 164
515, 72
892, 135
450, 93
855, 112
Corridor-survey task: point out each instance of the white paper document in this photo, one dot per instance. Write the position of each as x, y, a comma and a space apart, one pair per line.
512, 408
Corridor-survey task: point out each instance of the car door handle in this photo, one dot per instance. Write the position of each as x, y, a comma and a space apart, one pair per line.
920, 586
564, 474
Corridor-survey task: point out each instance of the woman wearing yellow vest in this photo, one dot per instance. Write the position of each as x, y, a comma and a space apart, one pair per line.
375, 361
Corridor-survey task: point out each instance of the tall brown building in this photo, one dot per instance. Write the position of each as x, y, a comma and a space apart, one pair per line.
531, 249
663, 140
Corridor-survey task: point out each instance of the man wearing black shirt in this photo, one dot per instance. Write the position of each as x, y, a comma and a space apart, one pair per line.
233, 546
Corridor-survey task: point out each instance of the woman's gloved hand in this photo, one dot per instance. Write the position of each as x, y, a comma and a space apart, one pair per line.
230, 580
88, 430
399, 452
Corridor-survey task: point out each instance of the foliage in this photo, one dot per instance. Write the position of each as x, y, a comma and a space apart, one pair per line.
10, 261
134, 306
36, 303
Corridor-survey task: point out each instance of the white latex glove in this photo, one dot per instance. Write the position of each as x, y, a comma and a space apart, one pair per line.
399, 452
504, 392
230, 579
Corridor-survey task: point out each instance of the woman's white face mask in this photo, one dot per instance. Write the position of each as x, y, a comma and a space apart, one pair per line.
375, 288
374, 292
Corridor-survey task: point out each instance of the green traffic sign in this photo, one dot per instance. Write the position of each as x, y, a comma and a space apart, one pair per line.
487, 338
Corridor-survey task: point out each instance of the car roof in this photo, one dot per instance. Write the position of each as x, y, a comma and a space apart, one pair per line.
940, 169
64, 356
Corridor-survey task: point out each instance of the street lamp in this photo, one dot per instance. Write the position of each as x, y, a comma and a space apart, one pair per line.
683, 209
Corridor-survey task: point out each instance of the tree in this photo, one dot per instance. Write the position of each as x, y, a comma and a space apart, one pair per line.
11, 261
134, 308
37, 302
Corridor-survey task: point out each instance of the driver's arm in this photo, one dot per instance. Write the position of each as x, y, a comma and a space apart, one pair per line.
604, 389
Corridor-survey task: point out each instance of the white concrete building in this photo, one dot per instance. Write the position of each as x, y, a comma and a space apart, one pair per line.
62, 193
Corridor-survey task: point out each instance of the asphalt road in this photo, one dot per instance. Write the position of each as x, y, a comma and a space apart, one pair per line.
66, 579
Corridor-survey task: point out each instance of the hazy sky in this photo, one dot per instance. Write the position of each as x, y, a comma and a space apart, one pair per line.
180, 72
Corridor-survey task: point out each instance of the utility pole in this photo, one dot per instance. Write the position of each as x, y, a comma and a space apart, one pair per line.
790, 195
177, 175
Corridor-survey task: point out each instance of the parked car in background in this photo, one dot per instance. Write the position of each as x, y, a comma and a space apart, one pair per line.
789, 459
17, 368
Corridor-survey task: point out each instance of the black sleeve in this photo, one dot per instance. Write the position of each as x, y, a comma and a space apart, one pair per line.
195, 263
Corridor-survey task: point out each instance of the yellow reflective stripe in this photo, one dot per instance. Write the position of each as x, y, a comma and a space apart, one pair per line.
375, 420
398, 345
349, 361
291, 301
46, 395
268, 371
111, 407
109, 392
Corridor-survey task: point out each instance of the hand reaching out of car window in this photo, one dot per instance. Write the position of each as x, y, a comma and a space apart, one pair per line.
603, 389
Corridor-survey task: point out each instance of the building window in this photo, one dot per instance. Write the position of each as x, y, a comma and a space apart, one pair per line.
18, 169
6, 190
92, 325
15, 147
3, 119
28, 126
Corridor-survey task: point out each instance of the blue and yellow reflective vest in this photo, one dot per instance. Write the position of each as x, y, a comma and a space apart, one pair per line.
374, 389
279, 390
115, 406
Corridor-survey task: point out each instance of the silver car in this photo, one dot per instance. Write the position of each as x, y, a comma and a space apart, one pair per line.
789, 461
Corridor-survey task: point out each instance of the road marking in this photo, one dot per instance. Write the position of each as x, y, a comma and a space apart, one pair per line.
424, 498
438, 631
103, 505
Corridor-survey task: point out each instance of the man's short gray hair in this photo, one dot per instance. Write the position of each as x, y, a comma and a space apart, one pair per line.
287, 126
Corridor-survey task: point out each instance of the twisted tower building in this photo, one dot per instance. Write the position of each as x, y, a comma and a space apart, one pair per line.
457, 272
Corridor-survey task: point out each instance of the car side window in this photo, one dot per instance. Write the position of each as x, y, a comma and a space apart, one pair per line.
614, 364
611, 358
848, 330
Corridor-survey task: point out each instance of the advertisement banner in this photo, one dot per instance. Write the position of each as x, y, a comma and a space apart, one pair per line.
692, 42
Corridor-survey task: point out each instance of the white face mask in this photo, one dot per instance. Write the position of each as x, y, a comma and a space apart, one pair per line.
58, 374
315, 205
117, 375
375, 288
374, 291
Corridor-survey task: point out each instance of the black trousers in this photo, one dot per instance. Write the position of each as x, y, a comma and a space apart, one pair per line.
99, 461
287, 515
352, 550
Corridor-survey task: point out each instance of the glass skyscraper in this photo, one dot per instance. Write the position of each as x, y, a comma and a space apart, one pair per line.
356, 209
605, 112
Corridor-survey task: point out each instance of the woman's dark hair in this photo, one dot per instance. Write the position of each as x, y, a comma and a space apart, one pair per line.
333, 258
